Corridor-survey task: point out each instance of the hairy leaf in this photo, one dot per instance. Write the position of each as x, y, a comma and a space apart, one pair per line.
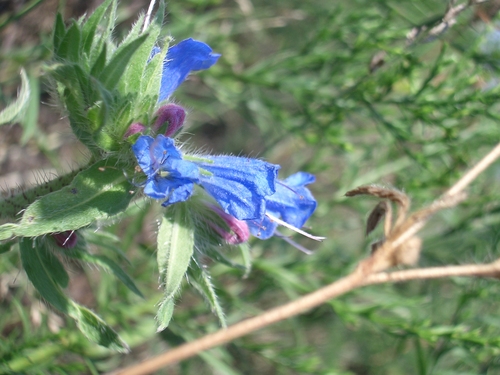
96, 193
175, 248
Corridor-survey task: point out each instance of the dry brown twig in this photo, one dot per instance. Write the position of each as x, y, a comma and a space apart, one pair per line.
394, 249
428, 33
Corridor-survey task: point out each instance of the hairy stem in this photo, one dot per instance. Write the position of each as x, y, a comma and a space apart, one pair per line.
18, 199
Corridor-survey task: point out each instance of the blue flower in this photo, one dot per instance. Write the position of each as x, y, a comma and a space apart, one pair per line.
186, 56
293, 203
239, 185
168, 175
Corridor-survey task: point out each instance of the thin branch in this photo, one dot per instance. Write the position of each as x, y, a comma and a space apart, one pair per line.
365, 273
478, 270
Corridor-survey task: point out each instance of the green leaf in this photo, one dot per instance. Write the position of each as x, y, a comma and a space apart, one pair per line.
53, 266
106, 25
7, 246
100, 63
30, 119
36, 269
151, 82
15, 109
93, 327
90, 27
96, 193
59, 32
132, 79
70, 48
111, 75
96, 329
164, 314
108, 265
202, 281
175, 248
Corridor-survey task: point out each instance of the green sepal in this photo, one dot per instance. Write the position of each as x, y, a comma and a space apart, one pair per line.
175, 248
89, 42
111, 75
151, 80
93, 327
100, 63
69, 49
134, 75
103, 19
59, 32
105, 263
96, 193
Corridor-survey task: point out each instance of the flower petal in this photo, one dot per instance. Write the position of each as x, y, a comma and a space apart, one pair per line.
141, 149
168, 175
181, 59
293, 203
239, 185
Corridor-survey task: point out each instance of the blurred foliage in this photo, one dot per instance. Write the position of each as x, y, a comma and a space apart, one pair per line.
294, 85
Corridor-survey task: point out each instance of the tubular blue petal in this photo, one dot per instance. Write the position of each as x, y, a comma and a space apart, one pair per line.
239, 185
293, 203
181, 59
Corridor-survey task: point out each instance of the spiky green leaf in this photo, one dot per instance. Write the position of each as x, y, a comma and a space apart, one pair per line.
93, 327
201, 280
107, 264
70, 47
96, 193
111, 75
175, 248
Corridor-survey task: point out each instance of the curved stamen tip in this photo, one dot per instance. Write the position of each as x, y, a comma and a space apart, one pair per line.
291, 227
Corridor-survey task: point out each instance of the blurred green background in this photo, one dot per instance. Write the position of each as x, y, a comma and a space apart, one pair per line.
331, 88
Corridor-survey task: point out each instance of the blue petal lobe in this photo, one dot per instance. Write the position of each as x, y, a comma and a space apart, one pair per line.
181, 59
239, 185
142, 153
168, 175
293, 203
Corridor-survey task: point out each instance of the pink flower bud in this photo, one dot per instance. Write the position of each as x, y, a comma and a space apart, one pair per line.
66, 240
239, 228
135, 128
169, 119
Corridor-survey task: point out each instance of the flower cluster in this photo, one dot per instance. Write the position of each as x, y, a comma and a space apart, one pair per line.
250, 198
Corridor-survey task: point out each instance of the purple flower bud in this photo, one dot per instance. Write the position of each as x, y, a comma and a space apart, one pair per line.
66, 240
169, 119
135, 128
239, 228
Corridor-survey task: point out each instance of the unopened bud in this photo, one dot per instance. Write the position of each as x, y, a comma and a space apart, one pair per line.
169, 119
135, 128
66, 240
239, 231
